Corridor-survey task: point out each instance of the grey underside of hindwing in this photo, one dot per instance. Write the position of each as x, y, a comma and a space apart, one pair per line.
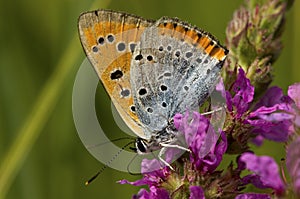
169, 76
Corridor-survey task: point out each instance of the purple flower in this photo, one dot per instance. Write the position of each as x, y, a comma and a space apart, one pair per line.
271, 116
253, 196
205, 157
244, 93
265, 172
196, 192
293, 149
153, 178
294, 93
155, 193
293, 164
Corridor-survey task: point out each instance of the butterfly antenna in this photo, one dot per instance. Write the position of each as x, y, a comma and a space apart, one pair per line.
106, 165
113, 140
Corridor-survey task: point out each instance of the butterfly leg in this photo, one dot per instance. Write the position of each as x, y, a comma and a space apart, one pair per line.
213, 111
175, 146
162, 151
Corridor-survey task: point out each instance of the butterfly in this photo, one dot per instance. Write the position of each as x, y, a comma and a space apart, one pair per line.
151, 69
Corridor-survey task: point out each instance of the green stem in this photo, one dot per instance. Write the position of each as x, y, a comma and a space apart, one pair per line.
40, 113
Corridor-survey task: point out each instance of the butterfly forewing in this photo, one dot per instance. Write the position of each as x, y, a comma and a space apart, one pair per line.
109, 39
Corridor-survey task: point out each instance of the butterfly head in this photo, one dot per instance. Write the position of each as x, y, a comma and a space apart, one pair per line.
165, 136
141, 145
144, 146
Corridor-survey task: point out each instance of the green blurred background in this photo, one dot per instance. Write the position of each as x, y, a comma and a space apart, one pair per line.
41, 153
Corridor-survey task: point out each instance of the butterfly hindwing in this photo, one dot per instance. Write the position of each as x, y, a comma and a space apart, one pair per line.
174, 69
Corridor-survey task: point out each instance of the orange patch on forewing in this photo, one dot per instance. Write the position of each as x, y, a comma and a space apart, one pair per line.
161, 25
90, 38
218, 53
209, 48
179, 32
169, 26
204, 41
192, 36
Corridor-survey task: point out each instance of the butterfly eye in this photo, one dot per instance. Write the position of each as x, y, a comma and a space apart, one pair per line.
164, 104
141, 145
186, 88
161, 48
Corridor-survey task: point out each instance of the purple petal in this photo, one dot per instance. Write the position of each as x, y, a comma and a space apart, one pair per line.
266, 169
153, 178
142, 194
253, 196
150, 165
258, 140
157, 193
177, 120
221, 88
278, 112
277, 132
272, 96
194, 132
135, 183
297, 120
217, 154
244, 93
229, 101
196, 192
201, 138
255, 180
293, 163
294, 93
273, 123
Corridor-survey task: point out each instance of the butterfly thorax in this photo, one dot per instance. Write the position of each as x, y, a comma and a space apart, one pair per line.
168, 135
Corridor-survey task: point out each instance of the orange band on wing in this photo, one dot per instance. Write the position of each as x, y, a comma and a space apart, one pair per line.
90, 38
